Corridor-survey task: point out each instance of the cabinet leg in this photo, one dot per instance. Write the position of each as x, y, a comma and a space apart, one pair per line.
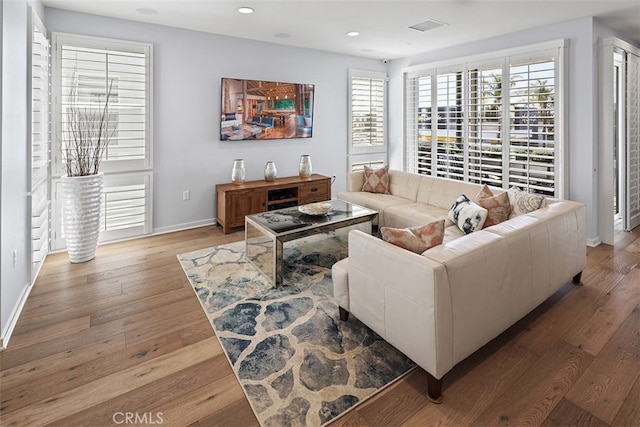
344, 314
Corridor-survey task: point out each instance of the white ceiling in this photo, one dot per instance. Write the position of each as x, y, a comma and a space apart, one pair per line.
383, 24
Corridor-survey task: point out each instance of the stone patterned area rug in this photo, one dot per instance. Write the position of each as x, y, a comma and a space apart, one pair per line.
298, 363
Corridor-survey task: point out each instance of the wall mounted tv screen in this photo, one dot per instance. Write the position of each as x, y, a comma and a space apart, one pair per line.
260, 109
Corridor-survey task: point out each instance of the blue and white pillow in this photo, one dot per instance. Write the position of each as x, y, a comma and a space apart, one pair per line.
467, 215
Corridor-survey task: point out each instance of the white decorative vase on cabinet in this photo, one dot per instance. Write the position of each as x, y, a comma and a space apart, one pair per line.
305, 166
81, 202
270, 172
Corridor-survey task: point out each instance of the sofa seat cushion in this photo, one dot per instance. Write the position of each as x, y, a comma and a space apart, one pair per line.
412, 214
377, 202
452, 233
415, 239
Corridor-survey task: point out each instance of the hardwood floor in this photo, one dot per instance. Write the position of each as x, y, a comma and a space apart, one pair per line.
122, 339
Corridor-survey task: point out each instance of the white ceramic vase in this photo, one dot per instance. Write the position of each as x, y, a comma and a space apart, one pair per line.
270, 172
305, 166
238, 172
81, 201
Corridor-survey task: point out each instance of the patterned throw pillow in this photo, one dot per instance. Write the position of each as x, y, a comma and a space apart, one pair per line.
467, 215
522, 202
416, 239
376, 180
498, 207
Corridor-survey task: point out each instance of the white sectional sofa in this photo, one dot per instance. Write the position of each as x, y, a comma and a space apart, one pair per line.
440, 306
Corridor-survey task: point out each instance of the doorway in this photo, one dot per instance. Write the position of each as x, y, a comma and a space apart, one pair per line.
619, 163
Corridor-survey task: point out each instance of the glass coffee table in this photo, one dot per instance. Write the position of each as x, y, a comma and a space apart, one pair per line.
265, 233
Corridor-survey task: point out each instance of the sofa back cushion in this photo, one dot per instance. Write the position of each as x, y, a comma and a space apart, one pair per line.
405, 184
442, 192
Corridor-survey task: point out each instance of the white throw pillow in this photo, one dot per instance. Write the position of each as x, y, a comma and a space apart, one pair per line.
467, 215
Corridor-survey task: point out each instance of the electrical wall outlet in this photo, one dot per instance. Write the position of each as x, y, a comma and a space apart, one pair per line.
186, 195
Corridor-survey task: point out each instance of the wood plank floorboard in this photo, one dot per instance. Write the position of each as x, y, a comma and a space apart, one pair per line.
124, 333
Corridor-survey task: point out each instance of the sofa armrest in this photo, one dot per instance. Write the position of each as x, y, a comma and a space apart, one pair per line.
355, 181
398, 293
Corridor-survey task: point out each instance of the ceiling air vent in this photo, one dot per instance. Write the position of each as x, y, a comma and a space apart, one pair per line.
429, 24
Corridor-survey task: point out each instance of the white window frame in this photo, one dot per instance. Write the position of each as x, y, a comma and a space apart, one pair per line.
556, 48
118, 173
373, 154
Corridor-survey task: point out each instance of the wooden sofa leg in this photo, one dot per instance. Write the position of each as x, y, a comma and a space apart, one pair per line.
344, 314
434, 389
577, 278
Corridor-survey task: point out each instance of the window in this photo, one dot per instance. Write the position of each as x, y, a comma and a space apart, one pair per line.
91, 67
367, 119
484, 130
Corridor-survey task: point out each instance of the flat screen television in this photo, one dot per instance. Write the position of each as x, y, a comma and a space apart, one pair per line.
260, 109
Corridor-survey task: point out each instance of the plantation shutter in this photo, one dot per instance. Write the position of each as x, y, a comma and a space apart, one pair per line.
484, 125
418, 130
532, 142
367, 118
450, 143
39, 120
94, 71
94, 66
633, 140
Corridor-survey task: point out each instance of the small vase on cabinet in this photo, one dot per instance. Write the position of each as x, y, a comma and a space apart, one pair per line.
238, 172
270, 172
305, 166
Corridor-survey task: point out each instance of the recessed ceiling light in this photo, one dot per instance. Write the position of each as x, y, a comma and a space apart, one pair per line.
353, 33
147, 11
245, 10
282, 35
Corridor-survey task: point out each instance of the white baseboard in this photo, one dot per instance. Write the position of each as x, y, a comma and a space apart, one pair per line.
182, 227
13, 318
594, 242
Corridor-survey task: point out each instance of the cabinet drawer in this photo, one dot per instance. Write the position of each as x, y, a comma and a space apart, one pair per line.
315, 191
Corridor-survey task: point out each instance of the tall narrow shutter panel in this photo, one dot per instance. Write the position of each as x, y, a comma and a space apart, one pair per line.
39, 149
450, 142
484, 128
532, 131
367, 114
633, 139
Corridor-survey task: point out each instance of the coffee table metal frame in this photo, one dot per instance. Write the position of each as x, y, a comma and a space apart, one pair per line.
266, 233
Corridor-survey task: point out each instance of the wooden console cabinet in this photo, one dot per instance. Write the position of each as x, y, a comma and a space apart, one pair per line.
234, 202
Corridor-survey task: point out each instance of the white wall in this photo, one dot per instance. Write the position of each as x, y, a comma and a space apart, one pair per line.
188, 66
582, 101
14, 280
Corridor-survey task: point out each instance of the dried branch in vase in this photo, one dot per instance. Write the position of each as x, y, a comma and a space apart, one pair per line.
88, 133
